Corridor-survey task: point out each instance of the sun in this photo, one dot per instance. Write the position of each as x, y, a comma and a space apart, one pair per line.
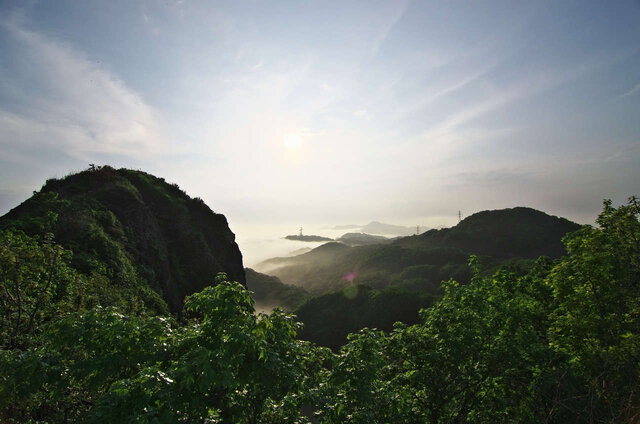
292, 142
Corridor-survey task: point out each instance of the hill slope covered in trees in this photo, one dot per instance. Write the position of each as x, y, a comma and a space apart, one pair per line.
557, 344
134, 229
517, 235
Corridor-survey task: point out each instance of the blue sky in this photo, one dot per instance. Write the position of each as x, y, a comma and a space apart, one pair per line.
308, 112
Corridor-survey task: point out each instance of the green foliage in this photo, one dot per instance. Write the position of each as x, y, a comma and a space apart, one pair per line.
40, 214
229, 365
134, 229
357, 389
596, 325
226, 364
76, 359
560, 343
475, 358
34, 279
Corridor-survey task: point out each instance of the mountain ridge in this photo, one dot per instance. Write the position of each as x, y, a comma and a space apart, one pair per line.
496, 236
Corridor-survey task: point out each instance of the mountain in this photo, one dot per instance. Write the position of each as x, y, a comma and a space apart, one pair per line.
376, 227
269, 292
509, 236
361, 239
299, 251
133, 228
505, 233
299, 237
293, 269
375, 286
346, 227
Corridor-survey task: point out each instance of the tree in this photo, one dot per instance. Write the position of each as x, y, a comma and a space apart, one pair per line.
596, 325
34, 278
225, 364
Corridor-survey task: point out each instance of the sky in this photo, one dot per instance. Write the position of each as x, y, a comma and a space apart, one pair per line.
281, 114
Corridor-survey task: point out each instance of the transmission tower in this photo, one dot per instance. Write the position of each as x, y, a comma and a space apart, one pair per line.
459, 216
300, 231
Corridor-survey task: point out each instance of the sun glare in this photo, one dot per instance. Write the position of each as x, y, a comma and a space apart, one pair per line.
292, 141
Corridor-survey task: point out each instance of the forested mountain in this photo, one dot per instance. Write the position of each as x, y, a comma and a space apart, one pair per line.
377, 285
504, 233
361, 239
134, 229
557, 343
515, 236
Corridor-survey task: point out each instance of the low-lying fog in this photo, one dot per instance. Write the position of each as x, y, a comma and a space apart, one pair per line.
260, 242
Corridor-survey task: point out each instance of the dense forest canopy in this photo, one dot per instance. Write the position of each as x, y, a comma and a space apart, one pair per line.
559, 343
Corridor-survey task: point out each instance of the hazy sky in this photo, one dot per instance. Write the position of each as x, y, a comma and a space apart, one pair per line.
322, 112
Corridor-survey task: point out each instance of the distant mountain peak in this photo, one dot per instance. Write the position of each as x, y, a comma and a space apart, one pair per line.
379, 228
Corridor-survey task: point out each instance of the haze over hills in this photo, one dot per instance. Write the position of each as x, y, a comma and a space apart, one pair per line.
92, 335
133, 228
361, 239
376, 285
376, 227
379, 228
351, 239
269, 292
496, 236
309, 238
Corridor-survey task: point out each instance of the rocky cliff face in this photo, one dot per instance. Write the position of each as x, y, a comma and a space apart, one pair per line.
133, 228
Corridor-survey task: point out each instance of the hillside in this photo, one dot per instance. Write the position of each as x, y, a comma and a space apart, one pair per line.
269, 292
362, 239
65, 359
311, 238
508, 236
505, 233
133, 228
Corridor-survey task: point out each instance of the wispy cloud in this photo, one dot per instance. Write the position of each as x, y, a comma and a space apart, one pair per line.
633, 91
453, 131
395, 17
69, 104
441, 92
